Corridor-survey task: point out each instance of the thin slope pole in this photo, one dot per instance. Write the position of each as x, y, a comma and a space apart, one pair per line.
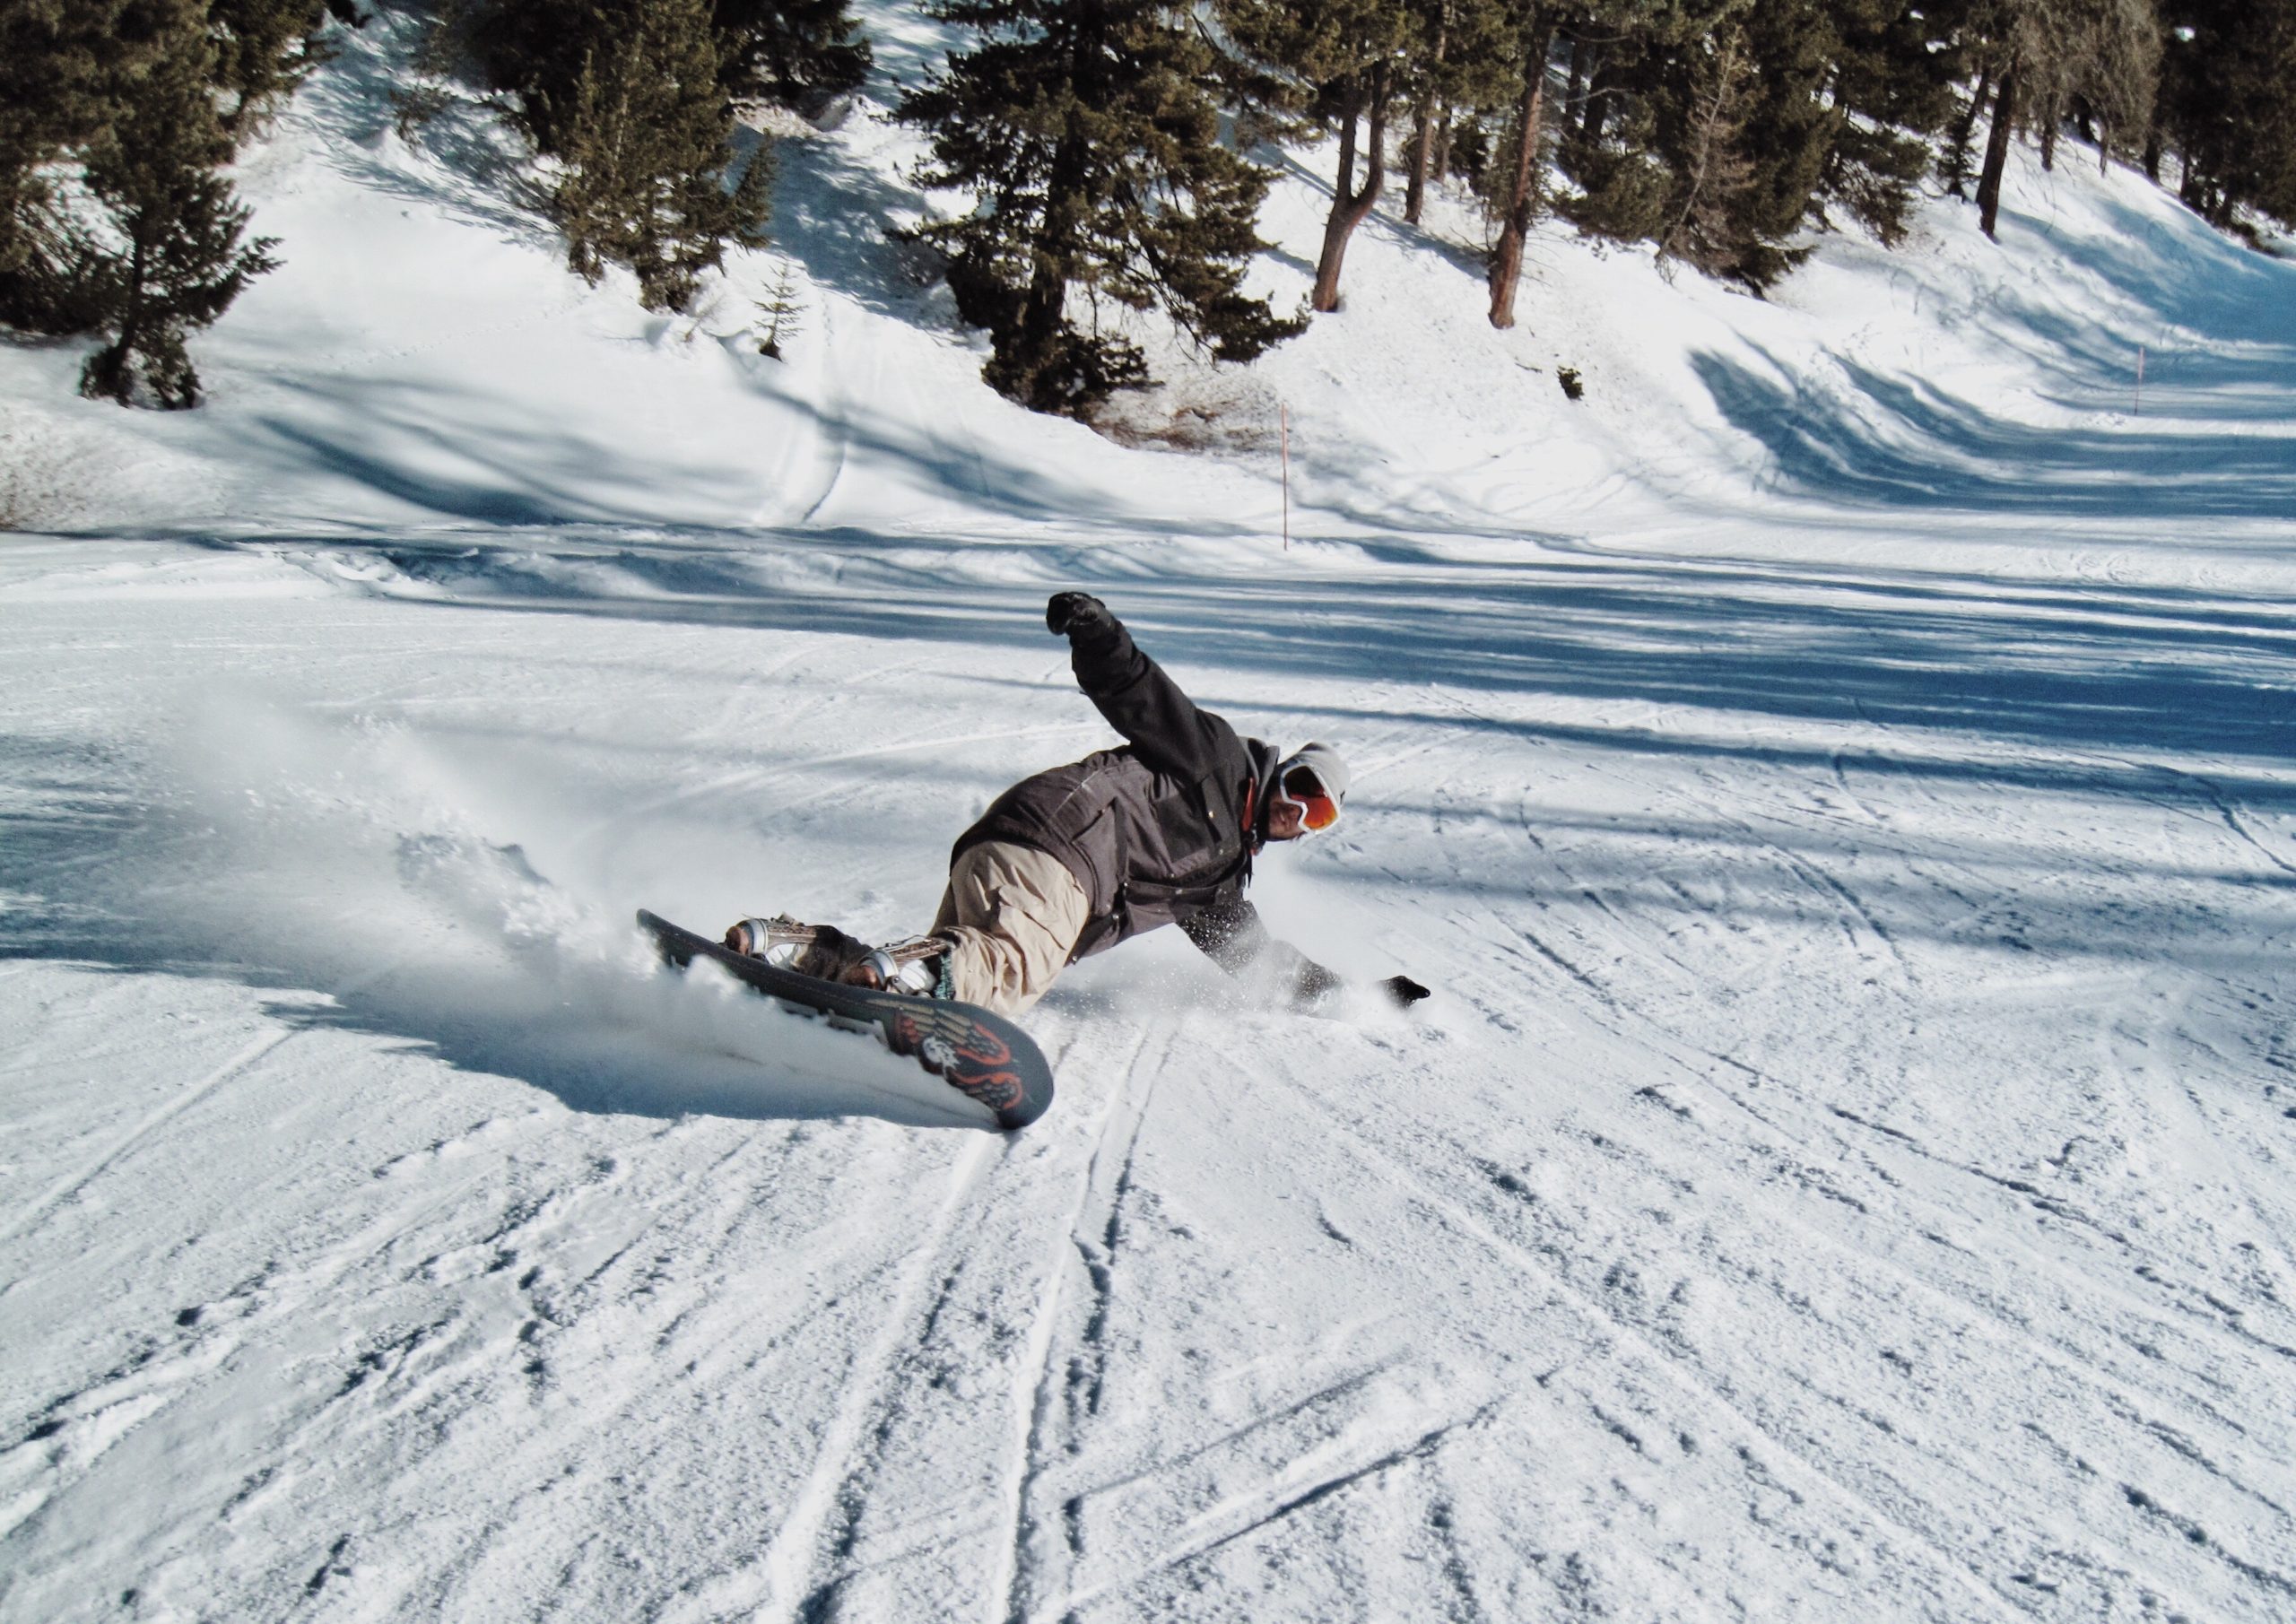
1283, 415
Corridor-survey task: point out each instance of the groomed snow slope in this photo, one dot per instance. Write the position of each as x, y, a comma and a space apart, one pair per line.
1840, 776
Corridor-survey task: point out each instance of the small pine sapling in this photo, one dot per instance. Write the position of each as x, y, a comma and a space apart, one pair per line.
782, 313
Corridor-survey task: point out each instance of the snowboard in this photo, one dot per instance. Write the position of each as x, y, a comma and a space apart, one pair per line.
982, 1055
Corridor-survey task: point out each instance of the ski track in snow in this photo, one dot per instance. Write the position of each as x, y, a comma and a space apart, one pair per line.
1019, 1570
839, 1473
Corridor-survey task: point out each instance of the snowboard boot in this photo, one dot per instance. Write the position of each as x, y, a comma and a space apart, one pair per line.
822, 951
917, 966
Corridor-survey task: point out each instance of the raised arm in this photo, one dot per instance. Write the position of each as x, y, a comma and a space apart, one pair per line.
1169, 730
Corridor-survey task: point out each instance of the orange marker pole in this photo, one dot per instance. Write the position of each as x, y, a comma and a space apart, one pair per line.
1283, 415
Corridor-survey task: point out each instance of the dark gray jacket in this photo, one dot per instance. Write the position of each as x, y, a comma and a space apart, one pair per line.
1160, 830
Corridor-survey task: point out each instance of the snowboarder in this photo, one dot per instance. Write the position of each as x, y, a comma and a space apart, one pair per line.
1160, 830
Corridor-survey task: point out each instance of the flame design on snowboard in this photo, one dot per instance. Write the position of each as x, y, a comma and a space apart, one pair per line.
960, 1051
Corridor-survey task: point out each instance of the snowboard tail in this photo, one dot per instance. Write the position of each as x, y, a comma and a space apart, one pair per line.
982, 1055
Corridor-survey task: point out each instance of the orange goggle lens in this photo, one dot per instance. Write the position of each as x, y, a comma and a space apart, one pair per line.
1301, 785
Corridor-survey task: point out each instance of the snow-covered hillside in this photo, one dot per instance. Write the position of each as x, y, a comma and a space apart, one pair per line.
1840, 776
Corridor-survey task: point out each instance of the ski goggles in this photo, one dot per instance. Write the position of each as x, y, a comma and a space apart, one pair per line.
1317, 808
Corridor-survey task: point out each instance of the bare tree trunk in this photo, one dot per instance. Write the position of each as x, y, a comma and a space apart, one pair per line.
1996, 152
2152, 152
2051, 117
1957, 158
112, 369
1422, 157
1423, 140
1507, 257
1590, 123
1349, 208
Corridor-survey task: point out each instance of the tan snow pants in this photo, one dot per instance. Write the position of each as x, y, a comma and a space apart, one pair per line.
1015, 913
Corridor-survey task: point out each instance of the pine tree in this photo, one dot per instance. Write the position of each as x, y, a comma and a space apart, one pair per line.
1716, 172
2044, 50
1955, 163
2103, 57
535, 50
2006, 114
2227, 107
631, 97
264, 48
784, 313
1461, 62
172, 253
1720, 129
1088, 131
1433, 74
2119, 83
792, 51
1629, 150
1534, 41
422, 92
1792, 124
1611, 152
1895, 68
63, 67
1516, 187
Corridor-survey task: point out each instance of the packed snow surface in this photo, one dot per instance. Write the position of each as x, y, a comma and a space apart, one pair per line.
1838, 776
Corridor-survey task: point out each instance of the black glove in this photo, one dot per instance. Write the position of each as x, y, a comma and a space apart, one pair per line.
1070, 613
1404, 990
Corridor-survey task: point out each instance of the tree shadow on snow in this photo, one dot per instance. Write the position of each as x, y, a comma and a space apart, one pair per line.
462, 161
2206, 437
1898, 443
2095, 667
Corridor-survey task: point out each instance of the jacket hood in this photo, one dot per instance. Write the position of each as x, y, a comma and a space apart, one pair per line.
1267, 759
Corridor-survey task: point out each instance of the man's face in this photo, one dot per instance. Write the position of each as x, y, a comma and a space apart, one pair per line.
1300, 805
